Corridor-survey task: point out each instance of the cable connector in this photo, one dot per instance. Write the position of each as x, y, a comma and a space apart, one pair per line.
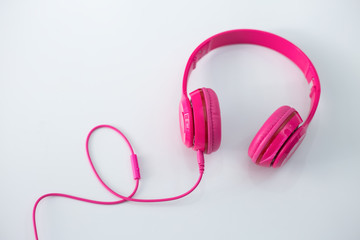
201, 162
135, 166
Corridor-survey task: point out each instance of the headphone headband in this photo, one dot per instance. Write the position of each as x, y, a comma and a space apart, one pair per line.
265, 39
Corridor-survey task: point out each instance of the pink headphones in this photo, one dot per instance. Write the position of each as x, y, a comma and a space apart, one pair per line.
200, 120
281, 134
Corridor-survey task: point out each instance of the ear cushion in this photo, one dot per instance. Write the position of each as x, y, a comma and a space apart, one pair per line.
269, 139
214, 120
207, 120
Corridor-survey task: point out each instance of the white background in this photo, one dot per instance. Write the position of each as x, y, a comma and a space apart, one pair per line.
66, 66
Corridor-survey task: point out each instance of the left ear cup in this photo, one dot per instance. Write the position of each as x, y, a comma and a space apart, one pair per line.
268, 142
207, 120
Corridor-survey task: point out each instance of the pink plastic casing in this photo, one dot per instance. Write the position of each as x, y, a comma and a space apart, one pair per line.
186, 122
279, 44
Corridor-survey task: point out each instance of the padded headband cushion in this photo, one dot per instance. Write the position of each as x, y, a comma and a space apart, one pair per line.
270, 126
214, 120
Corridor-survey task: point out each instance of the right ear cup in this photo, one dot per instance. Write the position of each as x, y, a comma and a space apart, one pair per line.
273, 134
207, 120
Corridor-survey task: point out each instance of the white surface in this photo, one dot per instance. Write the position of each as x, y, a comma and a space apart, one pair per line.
66, 66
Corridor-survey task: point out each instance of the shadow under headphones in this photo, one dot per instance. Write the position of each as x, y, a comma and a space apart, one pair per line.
281, 134
200, 121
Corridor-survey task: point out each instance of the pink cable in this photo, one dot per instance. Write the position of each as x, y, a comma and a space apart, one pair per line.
200, 157
75, 198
